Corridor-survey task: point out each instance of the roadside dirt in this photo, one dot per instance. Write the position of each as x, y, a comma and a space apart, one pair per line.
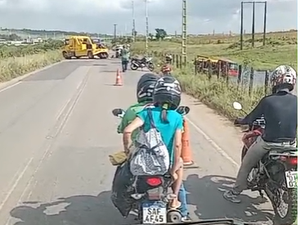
216, 127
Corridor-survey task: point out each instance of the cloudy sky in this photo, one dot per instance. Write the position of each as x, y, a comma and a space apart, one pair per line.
204, 16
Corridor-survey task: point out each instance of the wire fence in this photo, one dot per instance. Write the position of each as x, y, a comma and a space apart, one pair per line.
243, 76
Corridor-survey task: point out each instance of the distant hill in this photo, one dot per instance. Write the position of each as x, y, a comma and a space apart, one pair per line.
54, 34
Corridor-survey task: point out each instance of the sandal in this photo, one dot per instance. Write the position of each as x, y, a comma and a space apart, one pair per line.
175, 207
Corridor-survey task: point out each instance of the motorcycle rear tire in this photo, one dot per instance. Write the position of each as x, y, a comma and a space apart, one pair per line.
291, 216
174, 216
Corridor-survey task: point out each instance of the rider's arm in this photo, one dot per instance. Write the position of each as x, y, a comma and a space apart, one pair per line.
177, 144
257, 112
127, 119
136, 123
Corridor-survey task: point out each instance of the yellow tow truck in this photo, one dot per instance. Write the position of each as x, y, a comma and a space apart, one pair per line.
83, 46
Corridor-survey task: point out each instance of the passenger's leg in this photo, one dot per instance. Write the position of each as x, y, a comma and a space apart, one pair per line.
254, 154
177, 185
183, 200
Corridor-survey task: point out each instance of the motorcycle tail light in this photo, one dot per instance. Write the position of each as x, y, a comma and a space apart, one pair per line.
293, 161
153, 181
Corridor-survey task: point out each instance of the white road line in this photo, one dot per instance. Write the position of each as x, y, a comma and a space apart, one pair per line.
214, 144
11, 190
79, 90
9, 87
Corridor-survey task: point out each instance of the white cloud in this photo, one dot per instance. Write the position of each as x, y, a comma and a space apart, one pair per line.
100, 15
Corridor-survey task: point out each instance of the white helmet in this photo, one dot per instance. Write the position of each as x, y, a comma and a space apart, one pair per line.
283, 77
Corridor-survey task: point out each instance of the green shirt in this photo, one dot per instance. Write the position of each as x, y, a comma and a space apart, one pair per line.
129, 116
125, 54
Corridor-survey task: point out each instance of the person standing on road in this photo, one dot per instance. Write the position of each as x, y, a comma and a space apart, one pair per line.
125, 56
280, 113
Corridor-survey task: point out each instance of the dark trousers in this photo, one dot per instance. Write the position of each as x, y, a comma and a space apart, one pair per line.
124, 65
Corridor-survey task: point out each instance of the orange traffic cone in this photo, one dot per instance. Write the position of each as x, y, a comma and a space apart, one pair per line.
118, 78
186, 153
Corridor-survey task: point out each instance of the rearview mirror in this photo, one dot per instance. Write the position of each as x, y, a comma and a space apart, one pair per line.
237, 106
118, 112
183, 110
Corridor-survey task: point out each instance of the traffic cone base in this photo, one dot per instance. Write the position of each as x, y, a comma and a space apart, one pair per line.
118, 79
190, 165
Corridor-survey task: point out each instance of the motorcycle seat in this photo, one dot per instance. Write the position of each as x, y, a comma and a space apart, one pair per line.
281, 149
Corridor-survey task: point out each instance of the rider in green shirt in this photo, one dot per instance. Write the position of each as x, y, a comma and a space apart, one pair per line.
144, 93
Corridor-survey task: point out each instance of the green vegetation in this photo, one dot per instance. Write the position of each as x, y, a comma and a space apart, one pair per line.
16, 66
217, 93
281, 48
7, 51
19, 60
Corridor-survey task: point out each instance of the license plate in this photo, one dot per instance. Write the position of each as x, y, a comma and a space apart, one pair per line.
154, 213
291, 179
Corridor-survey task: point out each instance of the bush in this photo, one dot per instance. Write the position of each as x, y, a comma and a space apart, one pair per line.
216, 93
16, 66
7, 51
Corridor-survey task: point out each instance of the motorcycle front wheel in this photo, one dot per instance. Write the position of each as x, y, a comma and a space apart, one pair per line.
133, 66
151, 67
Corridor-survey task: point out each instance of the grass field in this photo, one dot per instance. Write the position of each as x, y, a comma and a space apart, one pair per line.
16, 66
18, 60
281, 48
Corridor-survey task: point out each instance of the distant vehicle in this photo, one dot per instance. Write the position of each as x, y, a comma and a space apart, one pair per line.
82, 46
231, 67
222, 65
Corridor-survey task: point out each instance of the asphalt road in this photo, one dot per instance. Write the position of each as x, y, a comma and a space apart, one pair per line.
56, 132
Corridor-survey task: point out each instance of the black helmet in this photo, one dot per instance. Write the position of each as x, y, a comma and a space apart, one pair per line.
167, 91
145, 87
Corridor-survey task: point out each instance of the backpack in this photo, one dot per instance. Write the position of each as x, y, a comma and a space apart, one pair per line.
150, 155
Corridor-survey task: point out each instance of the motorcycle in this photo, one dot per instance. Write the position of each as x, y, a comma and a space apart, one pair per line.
275, 173
151, 192
136, 63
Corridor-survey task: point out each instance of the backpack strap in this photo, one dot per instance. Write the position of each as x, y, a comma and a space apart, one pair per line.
152, 125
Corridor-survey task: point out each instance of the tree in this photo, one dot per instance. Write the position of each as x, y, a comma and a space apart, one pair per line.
160, 34
151, 36
13, 37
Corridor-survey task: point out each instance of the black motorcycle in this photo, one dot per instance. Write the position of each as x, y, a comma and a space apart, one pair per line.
149, 194
136, 63
276, 175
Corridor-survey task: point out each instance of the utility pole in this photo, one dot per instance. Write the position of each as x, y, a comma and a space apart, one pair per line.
115, 32
133, 21
253, 24
265, 23
242, 26
184, 36
147, 26
254, 3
